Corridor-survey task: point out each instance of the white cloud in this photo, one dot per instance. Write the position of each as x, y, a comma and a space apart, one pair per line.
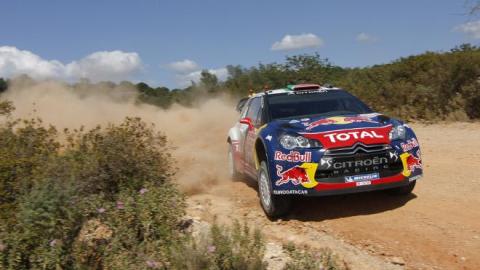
366, 38
184, 66
15, 62
105, 65
185, 80
295, 42
472, 29
98, 66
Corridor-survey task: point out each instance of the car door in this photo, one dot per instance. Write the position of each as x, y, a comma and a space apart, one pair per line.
254, 114
239, 146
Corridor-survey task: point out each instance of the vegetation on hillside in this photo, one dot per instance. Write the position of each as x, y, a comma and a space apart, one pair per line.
431, 86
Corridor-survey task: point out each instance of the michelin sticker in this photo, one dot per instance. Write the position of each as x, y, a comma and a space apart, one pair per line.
361, 178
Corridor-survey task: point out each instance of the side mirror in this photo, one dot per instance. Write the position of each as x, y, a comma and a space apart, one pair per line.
247, 121
241, 103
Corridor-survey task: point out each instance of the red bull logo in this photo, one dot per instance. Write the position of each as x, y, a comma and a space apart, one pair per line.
321, 122
296, 175
414, 162
409, 145
340, 120
293, 156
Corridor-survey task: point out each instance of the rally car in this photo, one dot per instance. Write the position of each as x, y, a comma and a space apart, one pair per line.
311, 140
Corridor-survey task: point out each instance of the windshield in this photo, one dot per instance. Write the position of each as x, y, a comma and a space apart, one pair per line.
328, 103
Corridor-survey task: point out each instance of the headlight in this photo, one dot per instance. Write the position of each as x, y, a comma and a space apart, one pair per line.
290, 142
398, 133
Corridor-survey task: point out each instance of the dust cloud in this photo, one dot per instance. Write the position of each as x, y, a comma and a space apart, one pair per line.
198, 134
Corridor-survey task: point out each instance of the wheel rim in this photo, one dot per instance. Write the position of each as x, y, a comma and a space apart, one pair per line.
231, 167
265, 195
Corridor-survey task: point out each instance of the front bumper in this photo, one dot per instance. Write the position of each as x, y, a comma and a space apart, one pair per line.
327, 189
336, 189
315, 173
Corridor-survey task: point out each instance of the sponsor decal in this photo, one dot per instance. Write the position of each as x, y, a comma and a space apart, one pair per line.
348, 137
326, 163
345, 136
414, 162
295, 175
409, 145
393, 154
360, 163
363, 183
303, 174
290, 192
414, 178
303, 92
361, 178
293, 156
411, 163
340, 120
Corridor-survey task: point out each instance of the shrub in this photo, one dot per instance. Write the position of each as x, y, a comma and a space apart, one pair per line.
312, 260
104, 199
228, 248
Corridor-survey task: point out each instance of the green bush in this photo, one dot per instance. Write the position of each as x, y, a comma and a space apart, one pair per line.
312, 260
227, 248
103, 199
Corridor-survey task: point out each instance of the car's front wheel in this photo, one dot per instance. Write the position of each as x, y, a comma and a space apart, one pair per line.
274, 206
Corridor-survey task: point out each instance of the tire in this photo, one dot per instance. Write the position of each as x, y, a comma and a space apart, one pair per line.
232, 169
402, 191
274, 206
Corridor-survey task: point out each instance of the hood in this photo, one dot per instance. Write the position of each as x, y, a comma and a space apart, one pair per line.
341, 131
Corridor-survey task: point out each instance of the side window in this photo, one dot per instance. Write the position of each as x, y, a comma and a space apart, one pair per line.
243, 113
255, 111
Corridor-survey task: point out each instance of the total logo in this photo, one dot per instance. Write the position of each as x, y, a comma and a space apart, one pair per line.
334, 137
348, 137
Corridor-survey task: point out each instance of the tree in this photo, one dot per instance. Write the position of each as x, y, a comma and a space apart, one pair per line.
3, 85
209, 81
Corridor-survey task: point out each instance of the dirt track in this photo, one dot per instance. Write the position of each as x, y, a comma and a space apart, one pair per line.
438, 227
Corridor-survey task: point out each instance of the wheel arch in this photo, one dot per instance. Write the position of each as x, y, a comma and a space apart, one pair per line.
260, 152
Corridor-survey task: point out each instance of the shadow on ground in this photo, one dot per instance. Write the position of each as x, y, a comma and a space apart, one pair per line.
340, 206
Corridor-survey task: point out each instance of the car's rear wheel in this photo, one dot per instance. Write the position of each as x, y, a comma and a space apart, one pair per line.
232, 169
404, 190
274, 206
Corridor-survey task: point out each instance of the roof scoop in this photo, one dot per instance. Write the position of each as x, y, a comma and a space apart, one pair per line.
303, 87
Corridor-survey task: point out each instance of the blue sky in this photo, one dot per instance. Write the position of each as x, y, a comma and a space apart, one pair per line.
213, 34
